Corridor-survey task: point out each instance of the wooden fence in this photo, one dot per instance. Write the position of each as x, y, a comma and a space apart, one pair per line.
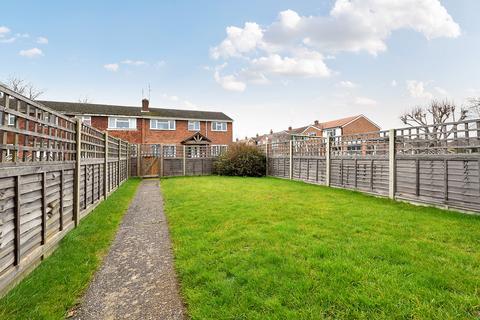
53, 171
437, 165
160, 160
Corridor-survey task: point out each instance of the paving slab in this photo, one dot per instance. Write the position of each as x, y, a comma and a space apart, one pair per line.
137, 279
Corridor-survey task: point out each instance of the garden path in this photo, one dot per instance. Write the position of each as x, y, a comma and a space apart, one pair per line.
137, 279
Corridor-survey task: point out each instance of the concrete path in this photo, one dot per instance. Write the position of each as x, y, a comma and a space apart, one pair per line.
137, 279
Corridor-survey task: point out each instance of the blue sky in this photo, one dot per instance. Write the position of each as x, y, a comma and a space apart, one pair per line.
294, 62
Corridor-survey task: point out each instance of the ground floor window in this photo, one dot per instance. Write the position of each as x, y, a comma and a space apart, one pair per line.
217, 150
169, 151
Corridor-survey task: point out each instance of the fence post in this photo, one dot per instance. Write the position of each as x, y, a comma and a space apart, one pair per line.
119, 161
128, 160
105, 169
328, 148
184, 160
391, 164
266, 158
139, 149
291, 160
160, 147
76, 211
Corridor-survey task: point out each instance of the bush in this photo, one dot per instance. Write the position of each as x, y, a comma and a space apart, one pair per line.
241, 160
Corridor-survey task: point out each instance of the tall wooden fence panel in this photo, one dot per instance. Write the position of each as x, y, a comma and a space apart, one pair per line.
52, 173
437, 164
159, 160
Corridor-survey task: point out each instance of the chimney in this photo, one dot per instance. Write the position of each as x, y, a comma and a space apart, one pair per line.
316, 122
271, 131
290, 128
145, 105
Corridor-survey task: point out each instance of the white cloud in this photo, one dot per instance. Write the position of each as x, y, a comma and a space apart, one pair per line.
238, 41
134, 62
393, 83
111, 67
228, 82
3, 31
347, 84
42, 40
296, 45
306, 63
364, 101
417, 89
31, 53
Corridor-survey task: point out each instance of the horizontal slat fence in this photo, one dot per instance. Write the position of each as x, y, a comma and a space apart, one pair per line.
53, 171
158, 160
437, 165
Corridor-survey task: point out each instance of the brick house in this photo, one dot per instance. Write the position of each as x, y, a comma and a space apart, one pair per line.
345, 126
145, 125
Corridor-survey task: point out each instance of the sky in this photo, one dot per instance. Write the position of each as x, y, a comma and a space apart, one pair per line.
268, 64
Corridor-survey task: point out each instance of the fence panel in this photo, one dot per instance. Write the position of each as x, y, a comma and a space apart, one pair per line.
52, 173
437, 164
159, 160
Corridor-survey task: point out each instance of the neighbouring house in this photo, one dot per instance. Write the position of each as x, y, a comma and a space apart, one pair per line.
146, 125
345, 126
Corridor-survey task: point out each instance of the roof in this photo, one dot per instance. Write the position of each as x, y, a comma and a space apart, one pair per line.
76, 108
322, 125
339, 122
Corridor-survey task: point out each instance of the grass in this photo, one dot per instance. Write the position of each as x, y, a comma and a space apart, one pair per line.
265, 248
61, 279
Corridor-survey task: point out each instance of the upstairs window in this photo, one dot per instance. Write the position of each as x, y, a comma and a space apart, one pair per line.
329, 133
193, 125
122, 123
156, 124
219, 126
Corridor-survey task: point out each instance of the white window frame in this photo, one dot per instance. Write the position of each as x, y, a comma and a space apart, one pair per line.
216, 149
192, 125
87, 120
166, 154
11, 119
132, 123
171, 123
330, 132
215, 125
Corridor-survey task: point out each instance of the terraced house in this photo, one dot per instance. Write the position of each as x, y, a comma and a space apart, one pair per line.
145, 125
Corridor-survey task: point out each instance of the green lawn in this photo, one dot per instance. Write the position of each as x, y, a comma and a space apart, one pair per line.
61, 279
264, 248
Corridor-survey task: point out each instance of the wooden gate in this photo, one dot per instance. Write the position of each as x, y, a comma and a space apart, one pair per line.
149, 161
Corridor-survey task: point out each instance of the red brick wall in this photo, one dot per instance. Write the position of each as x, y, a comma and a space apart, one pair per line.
361, 125
144, 134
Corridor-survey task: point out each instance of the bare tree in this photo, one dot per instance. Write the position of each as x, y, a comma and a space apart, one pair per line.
23, 87
474, 106
434, 117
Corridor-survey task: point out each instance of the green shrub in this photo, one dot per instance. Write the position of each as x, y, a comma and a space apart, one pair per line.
241, 160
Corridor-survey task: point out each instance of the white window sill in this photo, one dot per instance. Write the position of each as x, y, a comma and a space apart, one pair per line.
122, 129
163, 129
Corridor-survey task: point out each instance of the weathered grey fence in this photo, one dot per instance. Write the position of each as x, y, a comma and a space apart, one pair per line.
438, 165
53, 171
164, 160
